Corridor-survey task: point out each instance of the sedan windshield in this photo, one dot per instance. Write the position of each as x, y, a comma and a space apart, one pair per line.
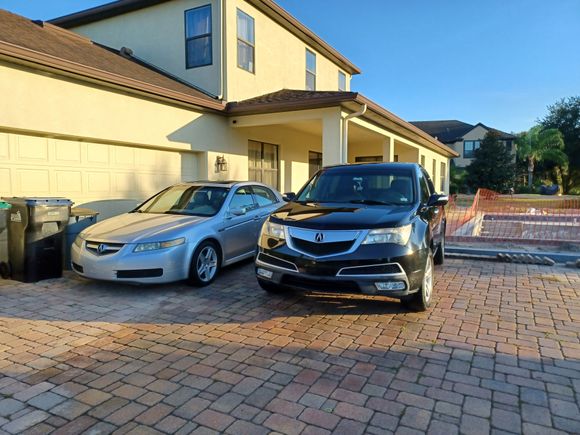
186, 200
370, 186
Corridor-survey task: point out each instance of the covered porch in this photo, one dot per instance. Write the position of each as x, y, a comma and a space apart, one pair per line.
286, 147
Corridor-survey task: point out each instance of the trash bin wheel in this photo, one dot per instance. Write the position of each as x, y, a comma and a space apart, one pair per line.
5, 270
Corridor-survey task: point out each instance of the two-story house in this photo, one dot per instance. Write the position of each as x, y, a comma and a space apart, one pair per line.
115, 103
464, 138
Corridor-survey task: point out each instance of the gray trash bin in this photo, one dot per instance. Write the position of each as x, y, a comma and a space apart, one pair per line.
4, 214
36, 237
80, 218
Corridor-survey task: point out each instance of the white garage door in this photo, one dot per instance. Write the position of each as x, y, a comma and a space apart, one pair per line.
88, 173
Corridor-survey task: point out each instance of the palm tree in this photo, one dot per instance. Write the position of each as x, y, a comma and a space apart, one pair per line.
539, 145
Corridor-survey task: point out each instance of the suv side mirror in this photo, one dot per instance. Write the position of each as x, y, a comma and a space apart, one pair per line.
437, 200
289, 196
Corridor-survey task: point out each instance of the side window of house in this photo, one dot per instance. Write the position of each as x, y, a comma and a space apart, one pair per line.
263, 196
314, 163
341, 81
469, 147
198, 43
246, 42
310, 71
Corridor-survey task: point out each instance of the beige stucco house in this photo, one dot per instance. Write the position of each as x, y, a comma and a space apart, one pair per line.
464, 138
110, 105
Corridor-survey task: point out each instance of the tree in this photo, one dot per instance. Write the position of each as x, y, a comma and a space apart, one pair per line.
493, 166
539, 145
565, 116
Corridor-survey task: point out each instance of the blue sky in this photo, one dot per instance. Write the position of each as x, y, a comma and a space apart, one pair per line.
500, 62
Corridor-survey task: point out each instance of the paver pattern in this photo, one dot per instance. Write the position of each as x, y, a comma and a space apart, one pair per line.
498, 352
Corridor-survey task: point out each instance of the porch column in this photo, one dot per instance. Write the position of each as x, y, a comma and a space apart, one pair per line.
388, 149
332, 139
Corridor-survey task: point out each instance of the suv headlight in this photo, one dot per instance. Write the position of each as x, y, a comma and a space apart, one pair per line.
154, 246
399, 235
273, 230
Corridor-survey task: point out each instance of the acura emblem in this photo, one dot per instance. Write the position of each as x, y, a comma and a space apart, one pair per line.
319, 237
102, 248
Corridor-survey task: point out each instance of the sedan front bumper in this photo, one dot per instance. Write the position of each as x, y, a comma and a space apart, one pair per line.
151, 267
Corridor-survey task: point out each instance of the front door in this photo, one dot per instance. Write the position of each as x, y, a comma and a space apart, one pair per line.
263, 163
241, 224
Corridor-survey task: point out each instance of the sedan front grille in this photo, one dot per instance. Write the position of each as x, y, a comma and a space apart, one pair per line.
102, 248
322, 249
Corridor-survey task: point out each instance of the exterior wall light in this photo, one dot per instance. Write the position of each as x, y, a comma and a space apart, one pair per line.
221, 164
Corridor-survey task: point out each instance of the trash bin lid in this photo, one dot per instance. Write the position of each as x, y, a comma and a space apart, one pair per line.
80, 211
4, 205
38, 201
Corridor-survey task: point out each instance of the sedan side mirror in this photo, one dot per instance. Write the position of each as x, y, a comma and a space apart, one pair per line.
289, 196
238, 211
438, 200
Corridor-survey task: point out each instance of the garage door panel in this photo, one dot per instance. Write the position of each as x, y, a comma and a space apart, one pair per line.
30, 148
4, 147
97, 154
67, 151
33, 182
5, 182
69, 181
98, 183
124, 157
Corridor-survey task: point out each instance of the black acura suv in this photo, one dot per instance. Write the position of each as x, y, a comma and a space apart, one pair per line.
375, 229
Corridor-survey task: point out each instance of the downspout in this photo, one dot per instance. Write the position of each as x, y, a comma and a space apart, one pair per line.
223, 50
344, 150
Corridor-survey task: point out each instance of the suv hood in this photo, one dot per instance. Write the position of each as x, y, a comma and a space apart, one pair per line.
338, 216
141, 227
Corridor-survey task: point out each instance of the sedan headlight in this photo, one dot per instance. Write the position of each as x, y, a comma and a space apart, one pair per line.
154, 246
273, 230
399, 235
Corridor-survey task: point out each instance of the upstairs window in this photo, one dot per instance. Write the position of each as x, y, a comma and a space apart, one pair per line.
310, 71
198, 48
469, 147
246, 42
341, 81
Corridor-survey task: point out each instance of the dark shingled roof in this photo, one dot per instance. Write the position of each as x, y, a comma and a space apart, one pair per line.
51, 45
450, 131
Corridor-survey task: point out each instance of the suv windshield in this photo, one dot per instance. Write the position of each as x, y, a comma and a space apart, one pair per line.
372, 186
186, 200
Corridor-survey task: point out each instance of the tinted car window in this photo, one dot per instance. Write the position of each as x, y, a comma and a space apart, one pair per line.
425, 193
393, 186
263, 196
242, 199
186, 199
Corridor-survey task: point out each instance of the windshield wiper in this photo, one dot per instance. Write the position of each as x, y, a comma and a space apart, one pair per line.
370, 202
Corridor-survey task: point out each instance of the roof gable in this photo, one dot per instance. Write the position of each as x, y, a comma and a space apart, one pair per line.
268, 7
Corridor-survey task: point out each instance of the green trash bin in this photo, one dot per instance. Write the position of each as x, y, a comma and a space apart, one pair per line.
80, 218
4, 216
36, 237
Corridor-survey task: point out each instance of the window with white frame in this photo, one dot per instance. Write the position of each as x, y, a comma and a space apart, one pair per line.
443, 176
341, 81
310, 71
198, 38
246, 42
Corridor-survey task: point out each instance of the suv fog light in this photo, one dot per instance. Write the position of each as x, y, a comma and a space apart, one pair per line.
390, 285
264, 273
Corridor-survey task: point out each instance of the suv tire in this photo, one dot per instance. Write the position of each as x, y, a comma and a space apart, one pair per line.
421, 300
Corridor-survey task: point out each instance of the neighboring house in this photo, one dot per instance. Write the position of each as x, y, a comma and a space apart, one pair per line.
464, 138
145, 93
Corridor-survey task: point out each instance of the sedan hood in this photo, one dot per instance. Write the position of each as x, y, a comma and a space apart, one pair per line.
333, 216
141, 227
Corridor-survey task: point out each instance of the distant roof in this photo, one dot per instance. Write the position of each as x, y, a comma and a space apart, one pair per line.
42, 43
449, 131
290, 99
268, 7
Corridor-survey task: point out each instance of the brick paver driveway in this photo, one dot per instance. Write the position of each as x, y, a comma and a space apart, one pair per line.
499, 351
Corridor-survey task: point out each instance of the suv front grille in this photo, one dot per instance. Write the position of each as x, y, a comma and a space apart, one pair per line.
322, 249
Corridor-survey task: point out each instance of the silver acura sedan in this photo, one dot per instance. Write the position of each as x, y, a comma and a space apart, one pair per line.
187, 231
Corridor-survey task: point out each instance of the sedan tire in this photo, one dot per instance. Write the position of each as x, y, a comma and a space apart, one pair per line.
205, 264
421, 300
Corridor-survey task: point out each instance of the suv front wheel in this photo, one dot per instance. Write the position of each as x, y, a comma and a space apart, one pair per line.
421, 300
